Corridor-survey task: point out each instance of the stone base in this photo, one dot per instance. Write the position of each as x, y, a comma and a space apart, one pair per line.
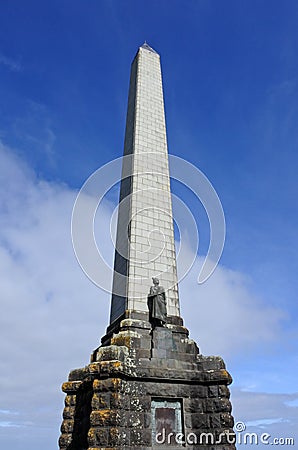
121, 398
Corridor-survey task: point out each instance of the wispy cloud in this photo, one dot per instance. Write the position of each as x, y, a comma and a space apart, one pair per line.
43, 293
59, 315
262, 423
266, 413
292, 403
34, 129
11, 64
7, 424
8, 412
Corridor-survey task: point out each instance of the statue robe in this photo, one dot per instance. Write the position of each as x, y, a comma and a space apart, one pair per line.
157, 304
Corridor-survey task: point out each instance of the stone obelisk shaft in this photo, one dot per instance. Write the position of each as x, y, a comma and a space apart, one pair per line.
145, 245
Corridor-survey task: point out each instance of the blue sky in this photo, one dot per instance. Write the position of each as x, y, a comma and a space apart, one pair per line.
230, 74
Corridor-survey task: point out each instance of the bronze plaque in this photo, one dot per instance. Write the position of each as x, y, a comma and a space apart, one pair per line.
166, 422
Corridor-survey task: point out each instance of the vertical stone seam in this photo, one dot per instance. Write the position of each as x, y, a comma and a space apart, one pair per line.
136, 61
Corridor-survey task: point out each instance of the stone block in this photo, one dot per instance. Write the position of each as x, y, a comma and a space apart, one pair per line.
67, 426
194, 405
65, 441
108, 418
142, 403
70, 400
217, 376
206, 363
118, 437
220, 405
119, 401
69, 412
210, 405
114, 352
198, 391
146, 342
197, 420
223, 391
159, 353
226, 420
213, 391
98, 437
70, 387
108, 385
100, 400
143, 354
77, 374
215, 421
140, 437
135, 419
186, 357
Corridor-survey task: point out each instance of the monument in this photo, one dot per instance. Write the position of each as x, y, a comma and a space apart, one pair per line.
147, 385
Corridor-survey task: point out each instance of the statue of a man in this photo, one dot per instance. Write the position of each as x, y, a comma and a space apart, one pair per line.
157, 304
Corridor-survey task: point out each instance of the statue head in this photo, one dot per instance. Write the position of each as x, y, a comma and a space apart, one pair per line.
155, 281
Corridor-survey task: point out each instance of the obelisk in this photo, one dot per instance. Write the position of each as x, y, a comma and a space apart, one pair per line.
147, 385
145, 236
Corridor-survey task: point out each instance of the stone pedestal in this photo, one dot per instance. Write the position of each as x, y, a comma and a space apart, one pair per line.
143, 385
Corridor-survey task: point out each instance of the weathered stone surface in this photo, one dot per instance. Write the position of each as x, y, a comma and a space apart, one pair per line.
116, 394
77, 374
67, 426
223, 391
98, 436
192, 405
100, 401
69, 412
118, 400
70, 400
65, 440
108, 385
197, 420
215, 421
71, 386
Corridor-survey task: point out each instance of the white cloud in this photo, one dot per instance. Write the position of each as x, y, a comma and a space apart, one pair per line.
266, 413
224, 314
293, 403
53, 316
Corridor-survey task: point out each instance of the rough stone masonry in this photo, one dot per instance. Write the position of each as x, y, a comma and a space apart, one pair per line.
147, 386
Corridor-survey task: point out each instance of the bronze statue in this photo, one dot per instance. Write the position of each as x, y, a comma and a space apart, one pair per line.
157, 304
